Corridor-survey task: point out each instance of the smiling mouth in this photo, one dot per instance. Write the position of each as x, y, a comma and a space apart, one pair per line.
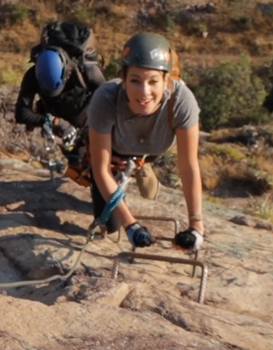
144, 103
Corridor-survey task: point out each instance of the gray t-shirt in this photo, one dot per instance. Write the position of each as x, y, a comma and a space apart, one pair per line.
138, 135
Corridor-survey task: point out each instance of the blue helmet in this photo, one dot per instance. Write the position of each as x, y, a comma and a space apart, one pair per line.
51, 71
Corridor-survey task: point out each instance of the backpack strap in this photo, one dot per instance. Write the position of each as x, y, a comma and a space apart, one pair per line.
79, 74
116, 93
171, 103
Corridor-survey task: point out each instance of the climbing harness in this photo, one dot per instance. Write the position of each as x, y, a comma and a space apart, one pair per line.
79, 163
114, 201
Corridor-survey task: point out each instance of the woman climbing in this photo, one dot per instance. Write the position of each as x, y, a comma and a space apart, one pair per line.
130, 116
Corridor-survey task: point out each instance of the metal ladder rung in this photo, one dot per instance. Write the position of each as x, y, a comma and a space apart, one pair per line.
202, 288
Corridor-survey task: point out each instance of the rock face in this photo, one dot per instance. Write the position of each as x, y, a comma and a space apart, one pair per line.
151, 305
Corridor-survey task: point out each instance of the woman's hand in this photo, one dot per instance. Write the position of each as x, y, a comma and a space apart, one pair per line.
190, 240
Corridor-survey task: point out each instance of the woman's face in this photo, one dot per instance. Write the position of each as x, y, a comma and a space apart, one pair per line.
144, 88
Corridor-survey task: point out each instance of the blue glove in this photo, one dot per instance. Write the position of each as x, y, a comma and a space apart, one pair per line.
189, 239
139, 236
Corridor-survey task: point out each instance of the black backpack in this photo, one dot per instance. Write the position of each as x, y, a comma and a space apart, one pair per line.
76, 40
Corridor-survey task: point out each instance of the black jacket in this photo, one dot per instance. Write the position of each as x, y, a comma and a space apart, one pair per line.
67, 105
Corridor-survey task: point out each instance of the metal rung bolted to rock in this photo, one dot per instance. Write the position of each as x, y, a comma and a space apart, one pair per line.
204, 275
169, 239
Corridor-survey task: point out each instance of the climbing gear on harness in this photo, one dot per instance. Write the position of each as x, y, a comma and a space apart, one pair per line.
114, 201
55, 164
80, 163
57, 161
78, 167
139, 236
124, 177
189, 239
147, 182
47, 127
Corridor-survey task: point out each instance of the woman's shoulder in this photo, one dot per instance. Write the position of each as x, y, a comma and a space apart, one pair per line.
102, 106
185, 106
182, 91
183, 96
108, 90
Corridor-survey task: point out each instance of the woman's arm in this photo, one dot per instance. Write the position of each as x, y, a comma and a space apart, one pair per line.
100, 151
189, 171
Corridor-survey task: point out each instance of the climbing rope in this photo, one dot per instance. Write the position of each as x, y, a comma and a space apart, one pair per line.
113, 202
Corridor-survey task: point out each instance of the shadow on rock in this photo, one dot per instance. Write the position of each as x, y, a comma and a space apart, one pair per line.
30, 257
46, 220
42, 200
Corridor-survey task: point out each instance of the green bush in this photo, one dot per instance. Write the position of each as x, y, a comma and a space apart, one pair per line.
225, 151
112, 68
19, 13
241, 23
230, 95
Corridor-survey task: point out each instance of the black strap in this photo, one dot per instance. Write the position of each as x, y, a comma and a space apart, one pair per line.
171, 103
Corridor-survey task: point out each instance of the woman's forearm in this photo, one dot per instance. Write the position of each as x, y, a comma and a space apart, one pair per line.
107, 186
192, 188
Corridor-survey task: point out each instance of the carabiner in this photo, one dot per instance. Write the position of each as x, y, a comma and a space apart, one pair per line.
50, 143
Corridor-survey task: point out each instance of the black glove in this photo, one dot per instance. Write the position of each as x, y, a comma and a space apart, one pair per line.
139, 236
189, 239
66, 131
